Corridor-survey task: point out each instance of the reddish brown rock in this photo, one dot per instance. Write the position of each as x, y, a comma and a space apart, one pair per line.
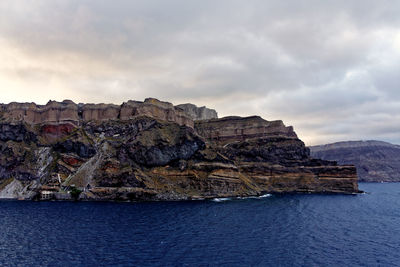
57, 130
72, 161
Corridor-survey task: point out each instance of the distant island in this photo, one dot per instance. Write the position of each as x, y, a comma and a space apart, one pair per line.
376, 161
153, 150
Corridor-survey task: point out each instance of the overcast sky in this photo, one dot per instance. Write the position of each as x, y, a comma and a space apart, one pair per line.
329, 68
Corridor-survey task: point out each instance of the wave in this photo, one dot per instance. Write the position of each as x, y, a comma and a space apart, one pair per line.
255, 197
222, 199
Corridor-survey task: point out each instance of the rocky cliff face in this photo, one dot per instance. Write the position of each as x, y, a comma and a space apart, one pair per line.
199, 113
375, 161
152, 150
231, 129
69, 112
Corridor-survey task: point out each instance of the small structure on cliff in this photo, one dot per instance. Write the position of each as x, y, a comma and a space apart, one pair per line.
47, 192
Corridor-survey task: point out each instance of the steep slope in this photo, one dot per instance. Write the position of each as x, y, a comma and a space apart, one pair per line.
375, 161
152, 150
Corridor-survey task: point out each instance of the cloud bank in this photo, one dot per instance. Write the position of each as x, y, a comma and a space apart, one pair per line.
330, 68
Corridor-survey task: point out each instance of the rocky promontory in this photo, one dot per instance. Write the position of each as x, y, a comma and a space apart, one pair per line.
376, 161
153, 150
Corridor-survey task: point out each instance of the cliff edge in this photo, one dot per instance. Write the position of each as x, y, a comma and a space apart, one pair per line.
153, 150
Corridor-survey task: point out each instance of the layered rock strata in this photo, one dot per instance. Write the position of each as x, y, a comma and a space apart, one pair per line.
69, 112
152, 151
230, 129
376, 161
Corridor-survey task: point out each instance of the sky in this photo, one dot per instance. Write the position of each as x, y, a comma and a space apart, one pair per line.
329, 68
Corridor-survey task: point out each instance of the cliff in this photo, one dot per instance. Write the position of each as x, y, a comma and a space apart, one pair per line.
231, 129
68, 112
375, 161
198, 113
152, 150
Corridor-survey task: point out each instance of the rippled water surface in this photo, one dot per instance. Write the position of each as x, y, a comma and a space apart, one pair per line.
283, 230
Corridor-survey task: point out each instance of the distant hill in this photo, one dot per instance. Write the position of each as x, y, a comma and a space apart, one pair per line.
376, 161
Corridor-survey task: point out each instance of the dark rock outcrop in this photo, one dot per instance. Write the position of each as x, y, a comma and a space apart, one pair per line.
375, 161
81, 149
152, 150
277, 149
16, 132
162, 144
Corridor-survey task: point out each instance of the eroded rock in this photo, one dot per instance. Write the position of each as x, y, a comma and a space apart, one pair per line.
198, 113
152, 150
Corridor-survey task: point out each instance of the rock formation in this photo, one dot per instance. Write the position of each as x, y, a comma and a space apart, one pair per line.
69, 112
198, 113
230, 129
152, 150
375, 161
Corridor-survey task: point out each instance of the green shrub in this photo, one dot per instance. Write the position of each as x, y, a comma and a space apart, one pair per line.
75, 192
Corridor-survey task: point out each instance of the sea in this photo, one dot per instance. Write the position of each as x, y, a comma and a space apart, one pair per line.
274, 230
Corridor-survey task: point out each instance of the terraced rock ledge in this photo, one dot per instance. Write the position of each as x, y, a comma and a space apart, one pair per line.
153, 150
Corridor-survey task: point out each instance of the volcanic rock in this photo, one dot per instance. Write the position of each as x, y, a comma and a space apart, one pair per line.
152, 150
69, 112
230, 129
376, 161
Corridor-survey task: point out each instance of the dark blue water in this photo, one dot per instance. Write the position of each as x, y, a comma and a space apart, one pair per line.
291, 230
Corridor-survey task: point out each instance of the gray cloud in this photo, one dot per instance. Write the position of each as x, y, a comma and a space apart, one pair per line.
330, 68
